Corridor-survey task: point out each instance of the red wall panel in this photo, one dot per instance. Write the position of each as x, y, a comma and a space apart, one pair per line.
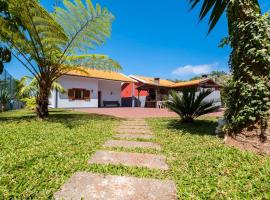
126, 90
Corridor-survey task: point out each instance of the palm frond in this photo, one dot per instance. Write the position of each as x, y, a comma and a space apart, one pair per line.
57, 86
40, 36
94, 61
85, 26
215, 8
29, 87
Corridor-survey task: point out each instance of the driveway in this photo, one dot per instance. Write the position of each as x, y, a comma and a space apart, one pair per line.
134, 112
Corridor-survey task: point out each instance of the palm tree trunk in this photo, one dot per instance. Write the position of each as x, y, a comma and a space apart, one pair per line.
43, 99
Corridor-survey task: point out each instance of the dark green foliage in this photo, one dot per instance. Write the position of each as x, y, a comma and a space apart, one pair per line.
189, 105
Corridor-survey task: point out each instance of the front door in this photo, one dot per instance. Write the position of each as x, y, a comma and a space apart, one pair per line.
99, 99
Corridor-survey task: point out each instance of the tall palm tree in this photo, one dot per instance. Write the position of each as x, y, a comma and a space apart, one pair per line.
50, 44
249, 89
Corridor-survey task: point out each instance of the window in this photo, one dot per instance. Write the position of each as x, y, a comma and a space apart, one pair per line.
78, 94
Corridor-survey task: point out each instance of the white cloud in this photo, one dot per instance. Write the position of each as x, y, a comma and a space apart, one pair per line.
194, 69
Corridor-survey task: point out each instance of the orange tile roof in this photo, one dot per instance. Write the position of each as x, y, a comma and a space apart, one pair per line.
101, 74
170, 84
192, 83
150, 81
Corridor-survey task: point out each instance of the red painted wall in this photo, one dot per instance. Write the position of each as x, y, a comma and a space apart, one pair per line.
126, 90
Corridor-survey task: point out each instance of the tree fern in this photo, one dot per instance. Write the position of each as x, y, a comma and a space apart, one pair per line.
85, 26
51, 44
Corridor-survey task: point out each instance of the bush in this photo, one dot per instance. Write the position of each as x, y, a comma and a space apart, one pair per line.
30, 103
4, 99
189, 105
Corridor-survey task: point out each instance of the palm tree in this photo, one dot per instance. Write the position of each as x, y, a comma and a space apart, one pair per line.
249, 88
28, 87
50, 44
189, 105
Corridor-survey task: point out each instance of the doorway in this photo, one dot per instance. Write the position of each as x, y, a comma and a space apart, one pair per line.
99, 99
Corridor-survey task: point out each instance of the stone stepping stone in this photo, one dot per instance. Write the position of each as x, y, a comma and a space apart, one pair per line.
129, 159
133, 136
136, 120
89, 186
131, 144
134, 127
139, 122
134, 131
136, 124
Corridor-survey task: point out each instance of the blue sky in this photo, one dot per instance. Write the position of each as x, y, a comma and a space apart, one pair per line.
159, 39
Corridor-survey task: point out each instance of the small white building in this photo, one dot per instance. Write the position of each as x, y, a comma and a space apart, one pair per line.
96, 88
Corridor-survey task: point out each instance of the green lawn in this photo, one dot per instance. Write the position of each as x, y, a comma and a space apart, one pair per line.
37, 157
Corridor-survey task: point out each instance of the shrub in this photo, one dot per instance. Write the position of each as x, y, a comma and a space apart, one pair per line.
189, 105
30, 103
4, 99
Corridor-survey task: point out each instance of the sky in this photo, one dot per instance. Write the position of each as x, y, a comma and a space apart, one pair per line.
159, 39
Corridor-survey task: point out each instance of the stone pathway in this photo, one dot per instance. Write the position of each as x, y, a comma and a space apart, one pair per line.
89, 186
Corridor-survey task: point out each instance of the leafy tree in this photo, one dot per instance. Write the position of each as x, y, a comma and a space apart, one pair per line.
189, 105
5, 54
51, 44
5, 98
213, 74
5, 57
249, 88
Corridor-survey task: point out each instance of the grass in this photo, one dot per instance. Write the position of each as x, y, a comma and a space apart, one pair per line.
204, 168
37, 157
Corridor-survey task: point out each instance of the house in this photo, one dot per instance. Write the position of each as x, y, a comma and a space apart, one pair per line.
90, 89
145, 91
152, 92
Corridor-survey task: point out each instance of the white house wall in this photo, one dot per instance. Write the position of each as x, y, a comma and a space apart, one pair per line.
110, 90
69, 82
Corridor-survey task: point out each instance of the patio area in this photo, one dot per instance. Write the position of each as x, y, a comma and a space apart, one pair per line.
135, 112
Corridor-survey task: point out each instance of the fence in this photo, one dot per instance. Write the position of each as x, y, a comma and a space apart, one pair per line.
8, 83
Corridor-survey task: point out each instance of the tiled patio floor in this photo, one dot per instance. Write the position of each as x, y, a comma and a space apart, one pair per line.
135, 112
